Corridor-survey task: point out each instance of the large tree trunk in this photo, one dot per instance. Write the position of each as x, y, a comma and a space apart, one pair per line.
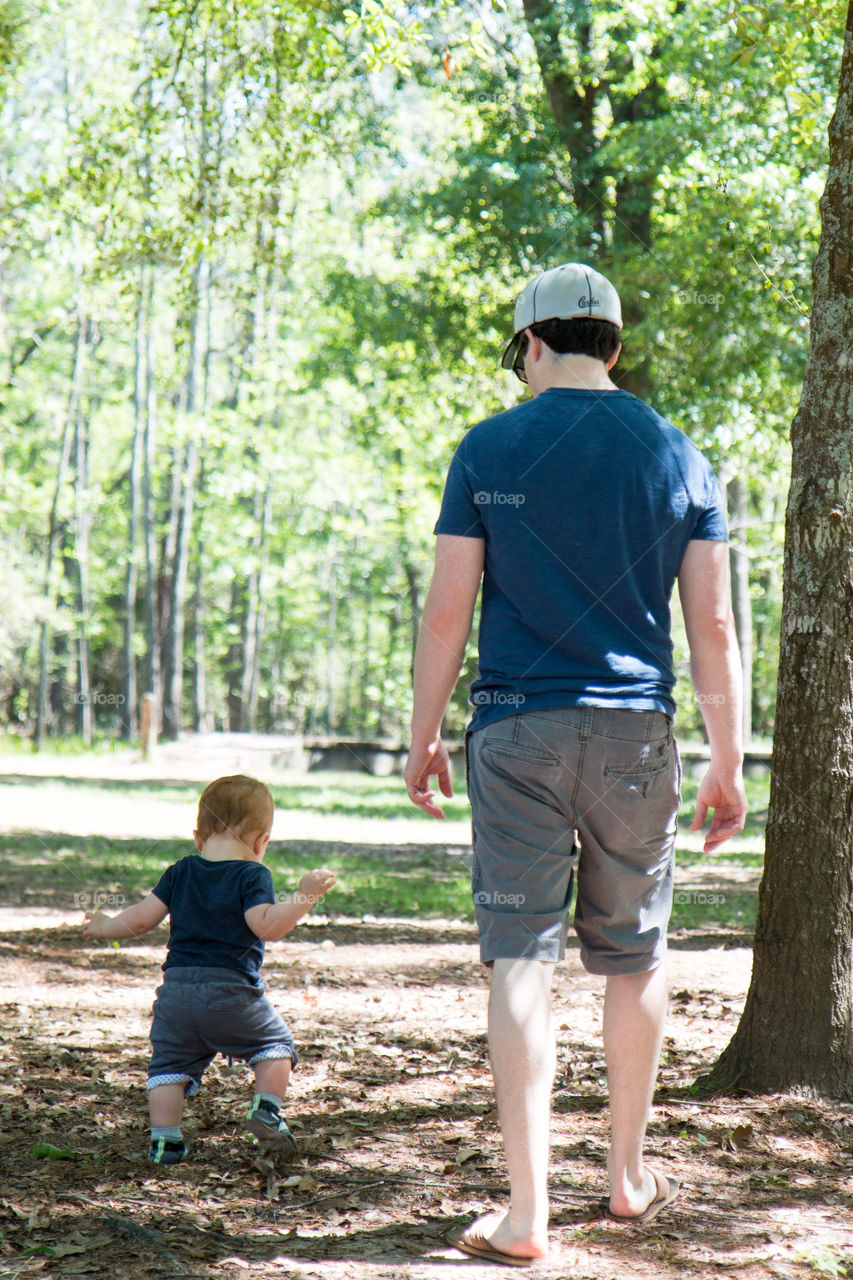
795, 1029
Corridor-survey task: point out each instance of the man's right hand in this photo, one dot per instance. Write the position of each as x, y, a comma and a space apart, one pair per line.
427, 760
722, 791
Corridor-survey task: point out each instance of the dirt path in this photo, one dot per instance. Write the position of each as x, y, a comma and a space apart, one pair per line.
393, 1107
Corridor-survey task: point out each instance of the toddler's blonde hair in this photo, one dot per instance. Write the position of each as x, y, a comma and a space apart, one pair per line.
237, 804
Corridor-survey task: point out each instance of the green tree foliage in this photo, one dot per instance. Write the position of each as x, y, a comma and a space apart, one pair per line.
258, 261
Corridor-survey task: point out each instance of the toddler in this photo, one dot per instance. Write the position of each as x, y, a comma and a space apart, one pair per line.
222, 910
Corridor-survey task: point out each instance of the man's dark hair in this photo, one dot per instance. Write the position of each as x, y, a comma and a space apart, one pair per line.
580, 337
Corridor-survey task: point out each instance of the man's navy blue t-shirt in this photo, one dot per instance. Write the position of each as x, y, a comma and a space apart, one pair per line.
587, 501
207, 901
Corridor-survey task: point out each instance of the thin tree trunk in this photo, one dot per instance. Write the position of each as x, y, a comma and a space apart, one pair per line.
200, 715
54, 526
152, 639
85, 718
174, 682
252, 667
183, 501
331, 644
129, 713
741, 598
796, 1025
234, 658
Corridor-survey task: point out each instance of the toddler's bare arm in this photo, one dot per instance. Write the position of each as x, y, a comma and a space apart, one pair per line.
130, 923
272, 920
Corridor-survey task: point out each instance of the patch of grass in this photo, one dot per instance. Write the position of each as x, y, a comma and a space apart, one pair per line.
359, 795
103, 745
72, 873
394, 880
825, 1260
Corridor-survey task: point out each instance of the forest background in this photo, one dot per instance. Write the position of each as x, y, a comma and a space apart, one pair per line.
257, 265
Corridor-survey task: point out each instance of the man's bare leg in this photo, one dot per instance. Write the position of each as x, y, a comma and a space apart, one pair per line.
635, 1008
521, 1047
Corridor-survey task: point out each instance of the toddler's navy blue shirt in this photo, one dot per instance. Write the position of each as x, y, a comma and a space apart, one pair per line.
586, 501
207, 901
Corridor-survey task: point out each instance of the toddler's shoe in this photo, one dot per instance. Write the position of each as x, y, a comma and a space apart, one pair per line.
265, 1121
166, 1151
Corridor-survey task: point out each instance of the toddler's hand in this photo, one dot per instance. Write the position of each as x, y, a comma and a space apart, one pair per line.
92, 921
315, 883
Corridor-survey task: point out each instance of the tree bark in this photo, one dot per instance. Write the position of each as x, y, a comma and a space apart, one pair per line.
796, 1026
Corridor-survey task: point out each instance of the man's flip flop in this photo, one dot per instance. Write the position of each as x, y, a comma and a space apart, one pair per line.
666, 1191
472, 1241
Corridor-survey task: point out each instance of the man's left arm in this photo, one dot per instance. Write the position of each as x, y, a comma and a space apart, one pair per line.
439, 657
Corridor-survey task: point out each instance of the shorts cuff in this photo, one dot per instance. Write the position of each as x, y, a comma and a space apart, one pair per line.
175, 1077
508, 936
274, 1051
622, 966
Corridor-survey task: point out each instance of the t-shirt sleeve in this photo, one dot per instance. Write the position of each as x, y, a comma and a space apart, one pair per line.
164, 886
256, 887
711, 525
460, 513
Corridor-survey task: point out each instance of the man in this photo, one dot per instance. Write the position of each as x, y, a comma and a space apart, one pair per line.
579, 508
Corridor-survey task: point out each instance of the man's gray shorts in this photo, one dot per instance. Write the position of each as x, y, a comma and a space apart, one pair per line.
537, 780
201, 1011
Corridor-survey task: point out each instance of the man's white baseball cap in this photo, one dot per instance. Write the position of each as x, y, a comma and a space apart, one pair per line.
570, 292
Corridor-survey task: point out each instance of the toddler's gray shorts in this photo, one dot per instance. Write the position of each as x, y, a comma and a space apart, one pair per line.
200, 1011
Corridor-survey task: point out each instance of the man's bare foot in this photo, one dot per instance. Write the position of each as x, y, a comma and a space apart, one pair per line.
646, 1201
491, 1237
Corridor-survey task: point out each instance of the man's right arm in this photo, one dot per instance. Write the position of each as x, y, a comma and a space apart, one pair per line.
703, 586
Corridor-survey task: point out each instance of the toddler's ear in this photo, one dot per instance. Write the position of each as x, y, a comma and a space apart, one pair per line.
260, 846
199, 844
